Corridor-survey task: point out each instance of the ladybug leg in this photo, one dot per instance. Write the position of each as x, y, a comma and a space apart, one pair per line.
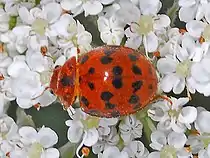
164, 97
70, 110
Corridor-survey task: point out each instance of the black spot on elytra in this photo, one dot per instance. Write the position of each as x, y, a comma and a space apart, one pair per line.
115, 113
137, 106
108, 51
136, 85
134, 99
91, 86
136, 70
84, 101
106, 60
57, 66
84, 59
51, 91
132, 57
67, 81
117, 83
117, 70
80, 79
91, 70
106, 96
150, 86
110, 105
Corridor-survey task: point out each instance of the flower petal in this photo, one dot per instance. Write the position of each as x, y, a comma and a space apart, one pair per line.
28, 133
154, 155
149, 7
47, 137
158, 139
177, 140
184, 13
161, 22
166, 65
50, 153
75, 131
52, 14
168, 81
92, 137
92, 7
202, 121
150, 42
188, 114
195, 28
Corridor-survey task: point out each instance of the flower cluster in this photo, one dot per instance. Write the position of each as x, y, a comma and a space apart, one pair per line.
38, 35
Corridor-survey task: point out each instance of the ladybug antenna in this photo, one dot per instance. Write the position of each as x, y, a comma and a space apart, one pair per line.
85, 150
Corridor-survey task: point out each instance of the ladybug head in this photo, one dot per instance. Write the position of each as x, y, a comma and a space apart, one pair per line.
63, 82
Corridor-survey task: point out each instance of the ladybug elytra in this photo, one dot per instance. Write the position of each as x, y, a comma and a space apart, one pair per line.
110, 81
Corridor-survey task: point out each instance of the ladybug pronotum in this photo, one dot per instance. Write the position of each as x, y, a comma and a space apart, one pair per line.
110, 81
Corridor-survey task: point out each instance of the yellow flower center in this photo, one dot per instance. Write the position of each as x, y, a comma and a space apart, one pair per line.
145, 24
168, 152
35, 150
206, 33
182, 69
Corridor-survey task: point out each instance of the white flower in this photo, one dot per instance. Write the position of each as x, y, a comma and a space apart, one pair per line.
46, 14
5, 91
177, 68
202, 120
171, 145
144, 22
91, 7
106, 141
16, 40
4, 21
105, 125
201, 76
78, 131
111, 31
130, 128
8, 128
205, 153
175, 116
39, 144
71, 35
38, 62
12, 6
113, 152
168, 41
136, 149
196, 8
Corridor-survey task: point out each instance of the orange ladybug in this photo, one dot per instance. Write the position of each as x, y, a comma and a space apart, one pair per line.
110, 81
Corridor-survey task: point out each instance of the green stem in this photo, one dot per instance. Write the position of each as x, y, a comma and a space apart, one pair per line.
148, 124
68, 150
172, 12
37, 2
149, 127
12, 22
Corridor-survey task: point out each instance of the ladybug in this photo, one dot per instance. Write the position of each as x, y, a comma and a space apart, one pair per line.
110, 81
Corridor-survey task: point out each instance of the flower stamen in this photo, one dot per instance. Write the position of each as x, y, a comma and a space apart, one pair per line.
1, 77
80, 146
182, 31
1, 48
201, 40
37, 106
85, 151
